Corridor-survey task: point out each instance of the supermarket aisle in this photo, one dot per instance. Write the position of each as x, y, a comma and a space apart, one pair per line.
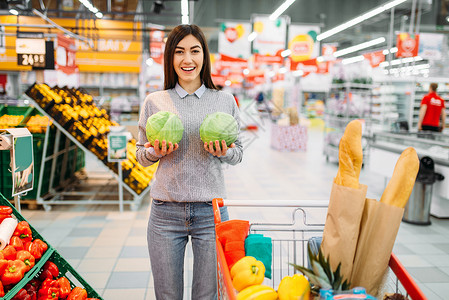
109, 249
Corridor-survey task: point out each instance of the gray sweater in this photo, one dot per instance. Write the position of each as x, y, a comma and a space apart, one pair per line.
189, 174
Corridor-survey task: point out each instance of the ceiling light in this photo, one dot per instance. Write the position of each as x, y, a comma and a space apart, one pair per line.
92, 8
271, 74
359, 47
252, 36
359, 19
281, 9
185, 11
320, 59
286, 53
246, 71
149, 62
228, 82
447, 18
353, 59
13, 11
283, 70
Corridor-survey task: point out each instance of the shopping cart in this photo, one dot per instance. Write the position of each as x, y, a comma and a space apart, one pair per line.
289, 245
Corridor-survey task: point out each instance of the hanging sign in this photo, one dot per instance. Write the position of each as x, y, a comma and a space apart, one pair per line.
431, 45
310, 66
268, 59
117, 146
407, 44
271, 35
233, 39
302, 42
375, 58
229, 63
157, 46
328, 50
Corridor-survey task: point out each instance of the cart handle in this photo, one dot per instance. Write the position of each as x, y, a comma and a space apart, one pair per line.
216, 204
406, 280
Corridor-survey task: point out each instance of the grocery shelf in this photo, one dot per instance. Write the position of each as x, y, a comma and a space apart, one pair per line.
87, 197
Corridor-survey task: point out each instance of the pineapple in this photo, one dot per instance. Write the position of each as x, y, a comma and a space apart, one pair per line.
320, 275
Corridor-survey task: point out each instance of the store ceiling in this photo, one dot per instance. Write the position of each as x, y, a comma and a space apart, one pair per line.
209, 13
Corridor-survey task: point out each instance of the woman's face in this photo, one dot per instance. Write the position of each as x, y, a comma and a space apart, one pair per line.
188, 60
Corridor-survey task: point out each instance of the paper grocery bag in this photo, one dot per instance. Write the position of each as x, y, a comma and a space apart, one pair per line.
341, 230
378, 230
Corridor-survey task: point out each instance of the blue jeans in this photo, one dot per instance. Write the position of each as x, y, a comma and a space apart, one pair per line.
169, 227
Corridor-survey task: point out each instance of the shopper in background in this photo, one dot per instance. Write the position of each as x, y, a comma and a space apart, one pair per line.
432, 109
190, 174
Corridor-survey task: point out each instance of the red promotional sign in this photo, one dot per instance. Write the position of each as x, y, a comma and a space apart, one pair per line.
65, 55
157, 46
407, 44
230, 63
267, 59
375, 58
310, 66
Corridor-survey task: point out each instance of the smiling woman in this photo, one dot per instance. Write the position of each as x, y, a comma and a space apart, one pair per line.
190, 172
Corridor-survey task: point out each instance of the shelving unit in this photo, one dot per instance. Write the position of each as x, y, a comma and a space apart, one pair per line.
391, 101
346, 102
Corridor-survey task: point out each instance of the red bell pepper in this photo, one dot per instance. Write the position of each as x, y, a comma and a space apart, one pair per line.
49, 290
34, 249
23, 231
21, 295
27, 258
32, 287
16, 242
64, 287
52, 267
14, 272
42, 245
4, 216
3, 266
5, 210
78, 293
9, 252
2, 290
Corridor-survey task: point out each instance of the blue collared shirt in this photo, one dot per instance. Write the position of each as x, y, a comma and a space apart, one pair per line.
183, 93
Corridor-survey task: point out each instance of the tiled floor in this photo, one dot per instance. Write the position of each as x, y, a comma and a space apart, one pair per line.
109, 249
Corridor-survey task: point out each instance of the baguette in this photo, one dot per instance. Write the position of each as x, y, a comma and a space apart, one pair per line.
350, 156
401, 184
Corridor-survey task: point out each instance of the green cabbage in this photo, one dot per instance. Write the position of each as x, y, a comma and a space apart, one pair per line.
219, 126
166, 126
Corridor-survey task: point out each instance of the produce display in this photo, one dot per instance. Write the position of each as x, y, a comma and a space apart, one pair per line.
20, 254
78, 114
7, 121
166, 126
219, 126
38, 124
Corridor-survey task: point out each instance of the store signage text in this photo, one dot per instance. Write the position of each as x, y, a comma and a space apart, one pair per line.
105, 45
34, 60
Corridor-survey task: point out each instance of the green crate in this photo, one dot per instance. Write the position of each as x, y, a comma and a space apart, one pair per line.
38, 264
17, 111
66, 270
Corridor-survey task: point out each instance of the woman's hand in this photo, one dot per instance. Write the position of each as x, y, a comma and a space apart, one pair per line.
218, 151
164, 151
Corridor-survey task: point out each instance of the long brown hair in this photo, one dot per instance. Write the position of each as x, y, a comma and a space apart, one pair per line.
175, 36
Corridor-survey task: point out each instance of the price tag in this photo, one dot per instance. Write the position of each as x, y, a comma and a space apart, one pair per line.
34, 60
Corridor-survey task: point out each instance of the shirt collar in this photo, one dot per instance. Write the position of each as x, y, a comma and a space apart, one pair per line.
182, 93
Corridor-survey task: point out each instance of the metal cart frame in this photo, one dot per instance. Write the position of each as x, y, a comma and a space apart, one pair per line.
399, 279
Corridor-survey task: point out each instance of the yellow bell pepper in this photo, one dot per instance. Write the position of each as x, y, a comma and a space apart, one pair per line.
257, 292
294, 287
246, 272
